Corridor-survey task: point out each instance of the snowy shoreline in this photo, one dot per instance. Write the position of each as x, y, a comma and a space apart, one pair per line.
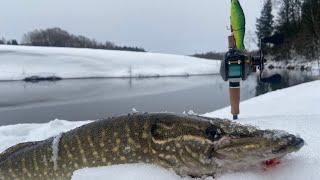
20, 62
294, 109
294, 65
122, 77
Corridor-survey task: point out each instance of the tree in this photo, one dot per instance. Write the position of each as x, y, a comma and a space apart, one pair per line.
12, 42
265, 22
289, 17
2, 41
311, 27
288, 24
60, 38
298, 21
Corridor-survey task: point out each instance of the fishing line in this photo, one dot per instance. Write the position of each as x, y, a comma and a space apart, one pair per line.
228, 16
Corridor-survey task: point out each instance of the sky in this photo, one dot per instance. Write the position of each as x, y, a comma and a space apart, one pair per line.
166, 26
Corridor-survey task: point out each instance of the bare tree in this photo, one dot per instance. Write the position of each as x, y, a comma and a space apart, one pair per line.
61, 38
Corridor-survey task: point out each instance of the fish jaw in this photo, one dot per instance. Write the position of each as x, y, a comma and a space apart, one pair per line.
265, 146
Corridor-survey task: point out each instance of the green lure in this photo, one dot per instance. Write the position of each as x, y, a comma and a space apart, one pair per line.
238, 24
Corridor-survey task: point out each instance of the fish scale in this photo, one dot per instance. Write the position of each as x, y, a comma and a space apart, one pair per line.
189, 145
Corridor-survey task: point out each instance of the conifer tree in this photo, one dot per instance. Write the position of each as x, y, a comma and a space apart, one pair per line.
265, 22
311, 27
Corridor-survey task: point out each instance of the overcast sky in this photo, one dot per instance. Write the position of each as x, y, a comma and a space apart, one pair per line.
168, 26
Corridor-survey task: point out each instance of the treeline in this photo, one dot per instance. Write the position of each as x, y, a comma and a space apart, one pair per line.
56, 37
210, 55
9, 42
298, 22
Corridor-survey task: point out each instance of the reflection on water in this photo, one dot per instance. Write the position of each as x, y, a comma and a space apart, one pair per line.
287, 79
98, 98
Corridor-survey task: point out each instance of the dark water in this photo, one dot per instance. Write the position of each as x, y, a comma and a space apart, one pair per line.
91, 99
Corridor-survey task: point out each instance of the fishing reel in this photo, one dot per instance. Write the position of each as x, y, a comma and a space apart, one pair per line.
238, 65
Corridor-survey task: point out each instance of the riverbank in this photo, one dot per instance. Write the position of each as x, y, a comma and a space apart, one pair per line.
294, 64
32, 63
295, 110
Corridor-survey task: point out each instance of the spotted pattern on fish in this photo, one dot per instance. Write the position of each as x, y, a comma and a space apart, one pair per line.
189, 145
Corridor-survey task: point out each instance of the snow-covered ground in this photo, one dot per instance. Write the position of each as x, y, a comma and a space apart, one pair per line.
297, 64
14, 134
19, 62
295, 110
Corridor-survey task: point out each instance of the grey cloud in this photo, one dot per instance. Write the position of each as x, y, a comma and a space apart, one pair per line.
169, 26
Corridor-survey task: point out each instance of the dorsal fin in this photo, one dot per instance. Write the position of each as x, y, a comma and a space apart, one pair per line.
13, 149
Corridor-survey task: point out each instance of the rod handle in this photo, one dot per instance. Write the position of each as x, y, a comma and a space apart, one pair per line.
234, 101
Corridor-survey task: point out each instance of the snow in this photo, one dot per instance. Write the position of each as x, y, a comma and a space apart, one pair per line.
296, 63
125, 172
19, 62
302, 100
295, 110
134, 110
14, 134
55, 150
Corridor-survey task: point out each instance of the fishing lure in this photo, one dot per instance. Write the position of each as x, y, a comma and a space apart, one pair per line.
238, 24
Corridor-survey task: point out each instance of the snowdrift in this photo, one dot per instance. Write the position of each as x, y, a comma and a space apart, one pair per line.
21, 62
295, 110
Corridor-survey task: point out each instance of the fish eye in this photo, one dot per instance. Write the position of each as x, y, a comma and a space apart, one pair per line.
213, 133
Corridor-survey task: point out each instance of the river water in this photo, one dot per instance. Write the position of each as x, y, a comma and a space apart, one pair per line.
90, 99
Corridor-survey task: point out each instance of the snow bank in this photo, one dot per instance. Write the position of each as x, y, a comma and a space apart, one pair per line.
14, 134
302, 100
125, 172
19, 62
298, 63
295, 110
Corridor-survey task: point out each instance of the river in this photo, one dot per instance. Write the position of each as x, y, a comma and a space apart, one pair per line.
90, 99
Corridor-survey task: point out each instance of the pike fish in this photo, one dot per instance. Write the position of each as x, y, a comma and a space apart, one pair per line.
238, 23
190, 145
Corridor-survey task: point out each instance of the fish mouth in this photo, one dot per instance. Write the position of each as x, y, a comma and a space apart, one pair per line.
297, 143
231, 147
294, 144
275, 149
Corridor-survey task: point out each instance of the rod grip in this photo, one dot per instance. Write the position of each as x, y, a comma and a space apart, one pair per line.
234, 100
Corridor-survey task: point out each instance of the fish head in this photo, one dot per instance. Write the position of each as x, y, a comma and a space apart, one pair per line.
240, 146
200, 146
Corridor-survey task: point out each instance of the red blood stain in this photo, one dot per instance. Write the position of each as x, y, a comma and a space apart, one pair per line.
270, 164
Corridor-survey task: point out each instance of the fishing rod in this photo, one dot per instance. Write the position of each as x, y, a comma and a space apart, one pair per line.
238, 63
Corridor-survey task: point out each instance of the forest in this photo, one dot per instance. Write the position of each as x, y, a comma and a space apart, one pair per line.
297, 22
57, 37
